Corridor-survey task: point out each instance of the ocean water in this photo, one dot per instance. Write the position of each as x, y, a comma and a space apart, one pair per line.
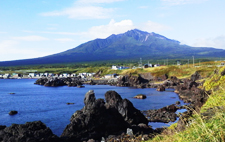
48, 104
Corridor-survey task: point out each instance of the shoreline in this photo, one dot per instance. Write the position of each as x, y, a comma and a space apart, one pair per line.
130, 85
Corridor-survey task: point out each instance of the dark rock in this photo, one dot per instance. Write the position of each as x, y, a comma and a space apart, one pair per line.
41, 81
196, 76
2, 127
190, 93
80, 86
92, 83
125, 108
69, 103
184, 120
172, 81
161, 88
100, 119
54, 81
161, 78
148, 76
165, 114
145, 137
13, 112
29, 132
132, 81
223, 73
177, 102
140, 96
12, 93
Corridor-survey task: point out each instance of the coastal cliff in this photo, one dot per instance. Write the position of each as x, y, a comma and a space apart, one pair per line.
110, 119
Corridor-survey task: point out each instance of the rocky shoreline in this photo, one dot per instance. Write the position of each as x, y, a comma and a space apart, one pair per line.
113, 119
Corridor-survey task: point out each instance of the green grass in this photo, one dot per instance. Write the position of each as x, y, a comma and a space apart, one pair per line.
200, 129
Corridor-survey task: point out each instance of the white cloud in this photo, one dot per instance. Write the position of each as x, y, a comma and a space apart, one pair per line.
85, 9
7, 43
84, 12
182, 2
31, 38
113, 27
10, 52
217, 42
154, 27
64, 39
15, 50
60, 33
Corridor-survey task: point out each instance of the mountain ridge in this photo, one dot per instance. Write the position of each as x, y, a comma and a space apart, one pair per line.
129, 45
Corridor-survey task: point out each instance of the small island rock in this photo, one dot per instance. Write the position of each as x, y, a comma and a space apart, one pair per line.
160, 88
69, 103
140, 96
13, 112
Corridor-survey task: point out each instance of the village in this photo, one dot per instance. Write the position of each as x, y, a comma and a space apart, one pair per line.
34, 74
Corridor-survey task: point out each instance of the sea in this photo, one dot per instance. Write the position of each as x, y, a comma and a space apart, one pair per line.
49, 104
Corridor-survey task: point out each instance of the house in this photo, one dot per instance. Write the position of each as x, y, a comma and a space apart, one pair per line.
114, 67
16, 75
73, 75
6, 75
65, 74
46, 74
145, 66
50, 74
109, 76
32, 75
82, 75
90, 74
41, 74
119, 67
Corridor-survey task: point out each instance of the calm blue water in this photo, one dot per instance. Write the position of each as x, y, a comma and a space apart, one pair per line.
48, 104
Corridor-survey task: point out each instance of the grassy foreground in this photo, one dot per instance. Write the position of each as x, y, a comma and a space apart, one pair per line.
209, 124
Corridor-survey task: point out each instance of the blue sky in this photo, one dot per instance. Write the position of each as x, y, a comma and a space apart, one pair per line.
37, 28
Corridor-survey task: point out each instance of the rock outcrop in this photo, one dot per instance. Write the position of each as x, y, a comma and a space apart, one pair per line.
140, 96
54, 81
172, 82
190, 93
148, 76
196, 76
13, 112
165, 114
161, 88
99, 119
29, 132
132, 81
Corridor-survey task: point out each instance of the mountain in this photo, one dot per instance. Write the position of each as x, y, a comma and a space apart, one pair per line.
132, 44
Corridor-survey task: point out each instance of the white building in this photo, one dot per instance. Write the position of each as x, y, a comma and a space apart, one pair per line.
6, 75
32, 75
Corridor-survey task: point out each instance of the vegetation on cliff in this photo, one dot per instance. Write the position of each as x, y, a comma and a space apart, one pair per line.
209, 123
